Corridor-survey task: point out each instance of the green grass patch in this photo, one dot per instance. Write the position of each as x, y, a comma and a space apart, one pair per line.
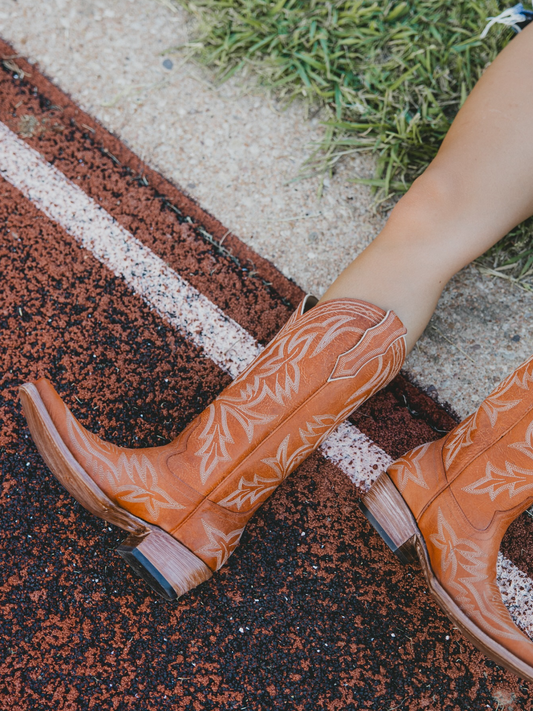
392, 76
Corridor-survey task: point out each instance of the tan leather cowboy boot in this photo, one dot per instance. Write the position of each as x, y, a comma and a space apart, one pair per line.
186, 504
450, 503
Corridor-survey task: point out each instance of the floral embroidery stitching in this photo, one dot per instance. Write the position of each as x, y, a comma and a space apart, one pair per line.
409, 469
514, 479
493, 405
277, 381
137, 468
220, 545
459, 438
467, 570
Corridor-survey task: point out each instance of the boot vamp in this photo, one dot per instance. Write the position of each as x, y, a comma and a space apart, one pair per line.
137, 480
464, 560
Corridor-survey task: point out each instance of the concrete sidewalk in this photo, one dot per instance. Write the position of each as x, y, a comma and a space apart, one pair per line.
238, 154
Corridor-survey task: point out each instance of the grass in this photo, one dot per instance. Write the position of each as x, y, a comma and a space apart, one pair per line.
391, 77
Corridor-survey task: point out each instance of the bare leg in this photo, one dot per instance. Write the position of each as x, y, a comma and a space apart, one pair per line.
478, 187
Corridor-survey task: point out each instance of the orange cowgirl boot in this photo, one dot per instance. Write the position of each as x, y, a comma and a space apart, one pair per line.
450, 502
186, 504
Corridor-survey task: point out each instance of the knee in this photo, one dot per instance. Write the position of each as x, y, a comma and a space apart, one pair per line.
433, 201
431, 226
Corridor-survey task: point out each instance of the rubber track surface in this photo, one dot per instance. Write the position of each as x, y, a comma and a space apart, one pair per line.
311, 612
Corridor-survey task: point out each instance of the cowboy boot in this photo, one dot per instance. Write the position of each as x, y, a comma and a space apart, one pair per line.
450, 502
186, 504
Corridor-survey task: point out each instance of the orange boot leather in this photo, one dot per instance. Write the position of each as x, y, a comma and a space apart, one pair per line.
450, 503
186, 504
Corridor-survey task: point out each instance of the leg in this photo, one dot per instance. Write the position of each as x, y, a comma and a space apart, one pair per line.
478, 187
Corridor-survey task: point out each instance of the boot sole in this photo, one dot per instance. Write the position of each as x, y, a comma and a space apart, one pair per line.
388, 513
168, 566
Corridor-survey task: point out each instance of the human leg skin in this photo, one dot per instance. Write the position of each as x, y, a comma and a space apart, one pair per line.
478, 187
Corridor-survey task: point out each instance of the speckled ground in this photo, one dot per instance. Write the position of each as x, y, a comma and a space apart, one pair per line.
312, 611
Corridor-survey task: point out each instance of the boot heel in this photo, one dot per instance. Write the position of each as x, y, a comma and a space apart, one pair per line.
164, 563
388, 513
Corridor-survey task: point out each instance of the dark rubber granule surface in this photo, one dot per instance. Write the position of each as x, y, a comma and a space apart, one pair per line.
312, 611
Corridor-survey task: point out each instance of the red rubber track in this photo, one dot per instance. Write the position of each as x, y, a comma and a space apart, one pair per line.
312, 611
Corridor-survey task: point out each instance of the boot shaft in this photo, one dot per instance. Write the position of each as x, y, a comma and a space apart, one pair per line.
316, 371
486, 462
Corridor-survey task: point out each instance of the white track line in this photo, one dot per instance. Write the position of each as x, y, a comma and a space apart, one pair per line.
229, 345
516, 589
223, 340
356, 455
